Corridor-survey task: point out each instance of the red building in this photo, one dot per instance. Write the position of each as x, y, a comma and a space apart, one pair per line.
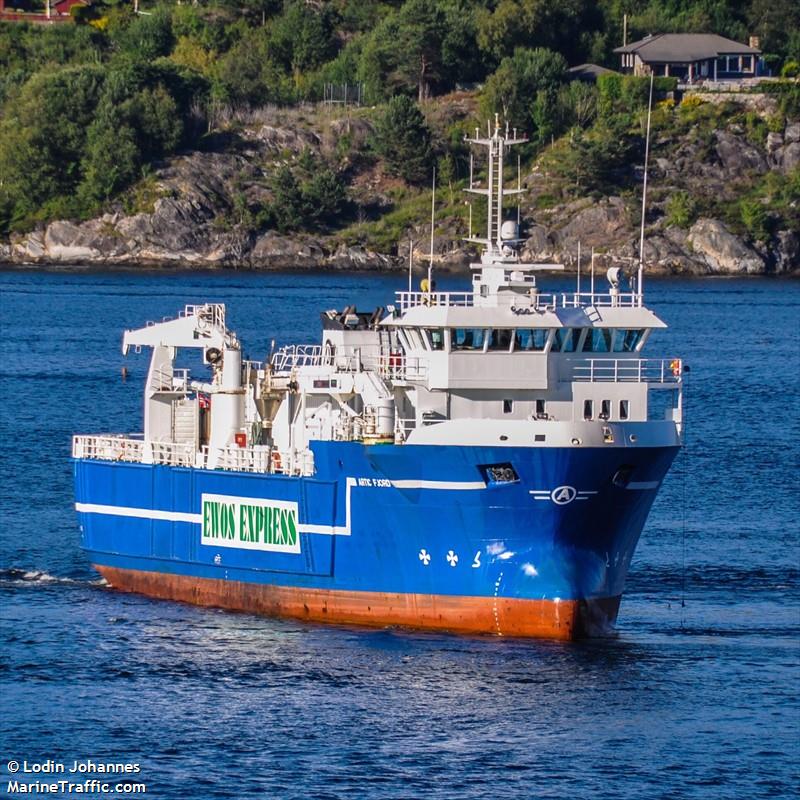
55, 11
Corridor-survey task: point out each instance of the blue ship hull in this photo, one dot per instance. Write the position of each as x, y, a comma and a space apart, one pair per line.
385, 534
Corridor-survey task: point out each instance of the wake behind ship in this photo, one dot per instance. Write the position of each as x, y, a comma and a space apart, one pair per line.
479, 462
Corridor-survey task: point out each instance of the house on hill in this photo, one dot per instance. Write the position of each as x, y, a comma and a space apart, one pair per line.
691, 57
55, 11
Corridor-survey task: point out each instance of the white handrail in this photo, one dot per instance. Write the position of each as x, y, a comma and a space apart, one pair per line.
628, 370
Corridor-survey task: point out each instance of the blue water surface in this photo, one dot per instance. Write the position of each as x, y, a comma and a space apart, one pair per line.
695, 697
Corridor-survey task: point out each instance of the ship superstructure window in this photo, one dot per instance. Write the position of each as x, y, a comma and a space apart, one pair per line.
499, 339
605, 409
588, 409
541, 410
414, 338
567, 339
467, 338
625, 341
508, 406
597, 340
528, 339
624, 409
436, 337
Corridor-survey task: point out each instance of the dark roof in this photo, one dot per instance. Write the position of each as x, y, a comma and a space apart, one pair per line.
685, 47
588, 72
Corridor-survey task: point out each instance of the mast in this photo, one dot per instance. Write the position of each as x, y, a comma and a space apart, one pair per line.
433, 211
640, 279
497, 142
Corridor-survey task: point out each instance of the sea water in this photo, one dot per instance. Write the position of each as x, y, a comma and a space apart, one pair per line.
696, 696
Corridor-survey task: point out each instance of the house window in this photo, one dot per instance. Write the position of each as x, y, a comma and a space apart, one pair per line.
733, 63
508, 406
588, 409
747, 63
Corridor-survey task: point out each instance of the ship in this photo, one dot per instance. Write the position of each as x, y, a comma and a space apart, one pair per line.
479, 462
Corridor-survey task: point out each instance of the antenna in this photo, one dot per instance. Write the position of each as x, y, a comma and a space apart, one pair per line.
433, 211
591, 284
578, 288
410, 263
519, 188
640, 279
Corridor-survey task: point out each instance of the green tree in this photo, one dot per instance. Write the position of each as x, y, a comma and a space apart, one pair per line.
301, 38
755, 219
112, 157
403, 139
405, 50
147, 37
518, 79
681, 209
536, 23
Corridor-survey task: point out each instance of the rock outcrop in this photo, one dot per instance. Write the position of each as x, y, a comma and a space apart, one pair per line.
194, 214
722, 252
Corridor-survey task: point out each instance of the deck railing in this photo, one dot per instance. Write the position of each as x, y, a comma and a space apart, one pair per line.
628, 370
108, 447
541, 300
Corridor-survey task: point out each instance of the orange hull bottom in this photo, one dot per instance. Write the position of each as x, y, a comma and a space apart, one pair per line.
546, 619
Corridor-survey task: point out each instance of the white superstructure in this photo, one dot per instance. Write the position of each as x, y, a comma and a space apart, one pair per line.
502, 364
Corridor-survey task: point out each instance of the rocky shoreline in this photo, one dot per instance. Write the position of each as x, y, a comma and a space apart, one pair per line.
190, 221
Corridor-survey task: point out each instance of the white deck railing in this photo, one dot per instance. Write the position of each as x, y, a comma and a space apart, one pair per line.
108, 447
406, 300
211, 313
173, 454
628, 370
299, 355
553, 300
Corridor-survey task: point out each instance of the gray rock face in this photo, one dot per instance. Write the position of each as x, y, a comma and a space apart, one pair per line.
788, 252
738, 156
723, 252
792, 132
790, 157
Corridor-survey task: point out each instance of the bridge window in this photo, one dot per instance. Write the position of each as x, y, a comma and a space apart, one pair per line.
625, 341
499, 339
597, 340
567, 339
436, 338
530, 339
414, 338
467, 338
